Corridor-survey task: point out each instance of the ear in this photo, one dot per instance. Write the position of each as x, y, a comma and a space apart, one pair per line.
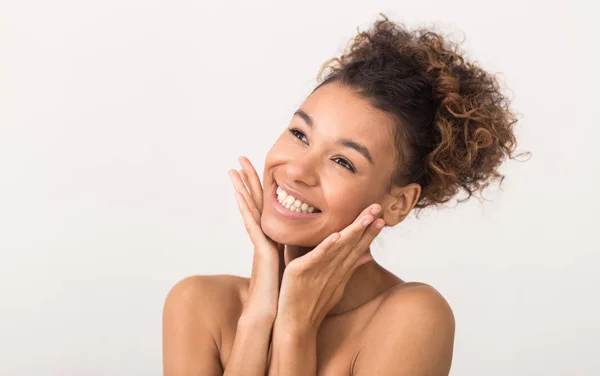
398, 203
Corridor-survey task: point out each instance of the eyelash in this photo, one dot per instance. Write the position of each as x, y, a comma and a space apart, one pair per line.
349, 166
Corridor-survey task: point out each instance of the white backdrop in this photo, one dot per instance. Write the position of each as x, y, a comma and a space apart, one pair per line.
119, 120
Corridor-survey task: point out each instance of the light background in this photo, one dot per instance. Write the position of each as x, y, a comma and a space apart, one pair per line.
119, 120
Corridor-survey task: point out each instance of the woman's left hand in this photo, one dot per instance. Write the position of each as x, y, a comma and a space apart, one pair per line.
313, 283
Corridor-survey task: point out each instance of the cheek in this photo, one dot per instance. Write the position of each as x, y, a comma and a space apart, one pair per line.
277, 155
271, 155
344, 208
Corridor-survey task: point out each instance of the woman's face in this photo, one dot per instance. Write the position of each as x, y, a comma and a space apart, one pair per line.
335, 155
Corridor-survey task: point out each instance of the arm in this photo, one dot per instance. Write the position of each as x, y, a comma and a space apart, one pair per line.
411, 334
294, 350
194, 310
250, 347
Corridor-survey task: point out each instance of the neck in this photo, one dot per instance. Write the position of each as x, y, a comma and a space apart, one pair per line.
367, 281
293, 251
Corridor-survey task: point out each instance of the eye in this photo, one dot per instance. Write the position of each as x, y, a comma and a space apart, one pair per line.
345, 164
298, 134
295, 132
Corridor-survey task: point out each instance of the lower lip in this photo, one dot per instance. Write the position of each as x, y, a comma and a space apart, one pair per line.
288, 213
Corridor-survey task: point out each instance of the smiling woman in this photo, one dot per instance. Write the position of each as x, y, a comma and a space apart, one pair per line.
400, 122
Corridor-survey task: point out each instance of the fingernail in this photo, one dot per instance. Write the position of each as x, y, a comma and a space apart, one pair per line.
379, 224
376, 210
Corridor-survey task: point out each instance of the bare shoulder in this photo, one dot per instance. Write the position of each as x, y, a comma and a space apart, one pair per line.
413, 329
415, 295
415, 300
209, 284
208, 295
196, 313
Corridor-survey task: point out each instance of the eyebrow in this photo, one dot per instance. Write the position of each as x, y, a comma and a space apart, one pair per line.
344, 142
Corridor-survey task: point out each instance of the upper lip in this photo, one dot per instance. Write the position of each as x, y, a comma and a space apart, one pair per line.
295, 194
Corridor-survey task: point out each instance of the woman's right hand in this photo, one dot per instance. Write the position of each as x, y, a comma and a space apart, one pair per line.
267, 265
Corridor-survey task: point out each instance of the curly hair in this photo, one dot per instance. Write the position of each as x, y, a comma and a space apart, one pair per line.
454, 126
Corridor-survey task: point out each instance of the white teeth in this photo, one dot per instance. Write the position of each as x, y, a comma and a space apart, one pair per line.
291, 203
282, 194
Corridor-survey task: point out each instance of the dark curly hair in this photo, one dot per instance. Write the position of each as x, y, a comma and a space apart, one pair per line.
454, 126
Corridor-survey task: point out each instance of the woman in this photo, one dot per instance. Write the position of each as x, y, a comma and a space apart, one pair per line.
400, 122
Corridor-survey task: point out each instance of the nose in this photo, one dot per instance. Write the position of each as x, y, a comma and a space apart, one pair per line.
302, 170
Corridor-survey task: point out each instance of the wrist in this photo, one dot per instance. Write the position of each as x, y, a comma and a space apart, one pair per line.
293, 330
256, 320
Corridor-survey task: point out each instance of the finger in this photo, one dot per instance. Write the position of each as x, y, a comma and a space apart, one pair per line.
317, 255
256, 197
361, 254
252, 227
363, 244
362, 221
247, 185
331, 254
239, 186
252, 181
352, 234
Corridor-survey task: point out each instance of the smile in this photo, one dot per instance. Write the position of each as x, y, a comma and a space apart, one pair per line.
291, 207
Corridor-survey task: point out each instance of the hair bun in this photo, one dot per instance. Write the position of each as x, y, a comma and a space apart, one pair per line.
454, 125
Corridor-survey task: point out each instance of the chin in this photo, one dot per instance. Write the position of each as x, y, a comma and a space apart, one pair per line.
285, 235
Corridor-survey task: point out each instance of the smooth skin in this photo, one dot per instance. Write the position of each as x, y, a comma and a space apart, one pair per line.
313, 306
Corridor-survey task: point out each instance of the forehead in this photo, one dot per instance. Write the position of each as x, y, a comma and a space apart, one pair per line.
339, 112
